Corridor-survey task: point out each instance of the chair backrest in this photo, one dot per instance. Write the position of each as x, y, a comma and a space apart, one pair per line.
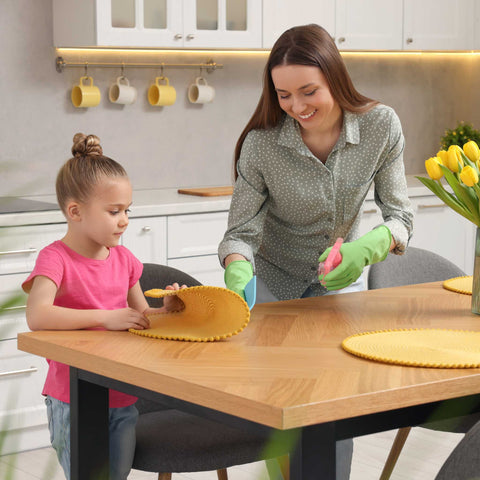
159, 276
415, 266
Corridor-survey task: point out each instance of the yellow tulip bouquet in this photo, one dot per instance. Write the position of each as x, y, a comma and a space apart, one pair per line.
461, 169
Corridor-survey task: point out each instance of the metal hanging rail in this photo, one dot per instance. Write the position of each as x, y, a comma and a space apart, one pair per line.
209, 66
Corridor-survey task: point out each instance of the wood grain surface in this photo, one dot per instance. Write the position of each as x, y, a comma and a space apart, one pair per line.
287, 368
207, 191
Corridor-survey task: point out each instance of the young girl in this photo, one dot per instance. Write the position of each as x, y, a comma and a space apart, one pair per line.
87, 280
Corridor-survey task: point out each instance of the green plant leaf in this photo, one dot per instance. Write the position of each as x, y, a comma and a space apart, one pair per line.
449, 199
465, 194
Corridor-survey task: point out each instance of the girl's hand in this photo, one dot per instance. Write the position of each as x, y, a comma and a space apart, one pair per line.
172, 303
125, 318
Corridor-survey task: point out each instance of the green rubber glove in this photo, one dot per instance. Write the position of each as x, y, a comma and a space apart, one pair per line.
372, 248
237, 274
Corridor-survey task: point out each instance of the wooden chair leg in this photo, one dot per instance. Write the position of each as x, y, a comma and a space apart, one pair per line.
222, 474
395, 451
164, 476
278, 468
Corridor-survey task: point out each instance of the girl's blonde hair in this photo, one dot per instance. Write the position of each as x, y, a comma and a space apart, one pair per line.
79, 175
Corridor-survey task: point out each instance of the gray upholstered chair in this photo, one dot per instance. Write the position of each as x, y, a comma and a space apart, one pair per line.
464, 461
416, 266
169, 440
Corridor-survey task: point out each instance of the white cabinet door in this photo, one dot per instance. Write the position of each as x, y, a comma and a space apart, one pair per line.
195, 234
222, 23
279, 15
23, 415
158, 23
437, 228
441, 230
153, 23
146, 239
206, 269
368, 24
438, 24
19, 246
193, 244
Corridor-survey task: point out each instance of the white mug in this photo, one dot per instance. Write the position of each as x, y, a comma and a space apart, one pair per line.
122, 93
201, 91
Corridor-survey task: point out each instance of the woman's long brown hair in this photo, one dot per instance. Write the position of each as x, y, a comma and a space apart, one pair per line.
309, 45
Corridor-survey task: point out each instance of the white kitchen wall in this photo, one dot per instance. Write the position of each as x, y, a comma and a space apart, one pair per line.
188, 145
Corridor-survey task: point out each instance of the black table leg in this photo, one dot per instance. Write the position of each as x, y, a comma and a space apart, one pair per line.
314, 455
89, 454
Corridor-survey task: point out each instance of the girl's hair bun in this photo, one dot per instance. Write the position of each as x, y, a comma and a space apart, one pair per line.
86, 145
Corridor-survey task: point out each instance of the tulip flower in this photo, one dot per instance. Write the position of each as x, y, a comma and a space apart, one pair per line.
454, 158
469, 176
472, 151
432, 166
442, 155
463, 189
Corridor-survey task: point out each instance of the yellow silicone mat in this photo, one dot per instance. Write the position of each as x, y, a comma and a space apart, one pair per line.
438, 348
210, 314
459, 284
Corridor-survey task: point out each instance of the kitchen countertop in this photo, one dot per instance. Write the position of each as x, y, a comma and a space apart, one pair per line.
157, 202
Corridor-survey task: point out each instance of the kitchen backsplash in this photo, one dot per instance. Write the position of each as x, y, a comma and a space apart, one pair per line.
186, 144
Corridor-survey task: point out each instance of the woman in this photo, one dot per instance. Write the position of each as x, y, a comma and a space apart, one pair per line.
304, 164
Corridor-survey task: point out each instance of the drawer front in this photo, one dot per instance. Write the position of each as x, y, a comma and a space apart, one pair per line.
19, 246
22, 376
206, 269
12, 320
197, 234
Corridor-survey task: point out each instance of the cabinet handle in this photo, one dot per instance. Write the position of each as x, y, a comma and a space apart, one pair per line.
373, 210
146, 228
19, 372
190, 36
409, 40
16, 252
178, 36
341, 40
437, 205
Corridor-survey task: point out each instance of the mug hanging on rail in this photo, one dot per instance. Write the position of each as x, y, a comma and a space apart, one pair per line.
200, 91
122, 92
160, 95
84, 95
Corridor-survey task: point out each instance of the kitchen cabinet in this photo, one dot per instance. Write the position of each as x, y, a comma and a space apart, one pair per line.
436, 228
158, 23
368, 25
186, 242
279, 15
354, 24
193, 245
380, 24
146, 238
23, 416
439, 24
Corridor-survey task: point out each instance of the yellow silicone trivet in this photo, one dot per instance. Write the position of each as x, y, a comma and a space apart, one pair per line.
459, 284
210, 313
439, 348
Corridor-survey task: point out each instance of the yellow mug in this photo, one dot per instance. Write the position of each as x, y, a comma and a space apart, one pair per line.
85, 95
161, 95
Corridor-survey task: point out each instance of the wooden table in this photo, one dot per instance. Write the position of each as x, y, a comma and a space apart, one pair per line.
286, 370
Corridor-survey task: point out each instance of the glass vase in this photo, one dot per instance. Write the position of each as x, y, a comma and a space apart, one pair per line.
476, 276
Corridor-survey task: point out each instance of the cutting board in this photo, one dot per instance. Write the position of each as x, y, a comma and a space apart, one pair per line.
207, 191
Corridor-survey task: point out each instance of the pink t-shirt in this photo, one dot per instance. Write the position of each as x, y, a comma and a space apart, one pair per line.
85, 283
